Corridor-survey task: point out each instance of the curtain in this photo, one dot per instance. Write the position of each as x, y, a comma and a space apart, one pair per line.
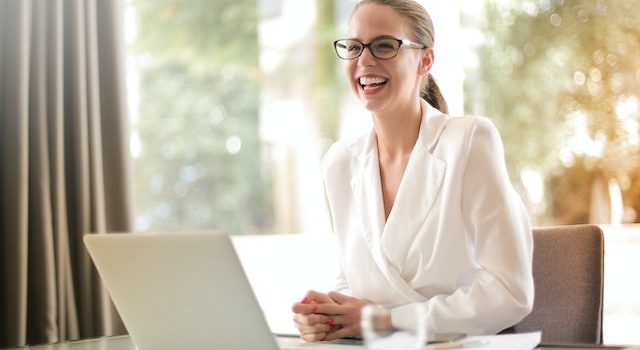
65, 169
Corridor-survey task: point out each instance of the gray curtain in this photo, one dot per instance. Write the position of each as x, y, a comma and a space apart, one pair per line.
65, 169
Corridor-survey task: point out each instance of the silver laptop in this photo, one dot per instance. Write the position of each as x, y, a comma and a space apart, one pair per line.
180, 291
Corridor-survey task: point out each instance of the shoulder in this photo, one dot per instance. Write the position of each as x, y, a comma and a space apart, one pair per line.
337, 153
343, 153
471, 123
337, 156
472, 129
454, 124
464, 135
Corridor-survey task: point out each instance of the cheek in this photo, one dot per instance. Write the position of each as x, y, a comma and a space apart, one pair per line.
407, 70
349, 71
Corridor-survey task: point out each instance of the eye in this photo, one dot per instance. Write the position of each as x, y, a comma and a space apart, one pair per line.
385, 46
353, 47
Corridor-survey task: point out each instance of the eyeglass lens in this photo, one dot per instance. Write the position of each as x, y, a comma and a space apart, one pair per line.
380, 48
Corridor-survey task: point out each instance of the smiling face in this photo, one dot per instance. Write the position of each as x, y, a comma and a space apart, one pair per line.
385, 85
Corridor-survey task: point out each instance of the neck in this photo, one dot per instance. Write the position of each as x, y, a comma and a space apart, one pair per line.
398, 131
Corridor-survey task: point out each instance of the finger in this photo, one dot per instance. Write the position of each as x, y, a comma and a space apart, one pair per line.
310, 319
340, 320
313, 336
318, 297
340, 333
331, 309
317, 328
329, 322
339, 297
300, 308
309, 308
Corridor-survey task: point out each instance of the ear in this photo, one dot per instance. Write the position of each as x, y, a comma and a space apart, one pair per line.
426, 61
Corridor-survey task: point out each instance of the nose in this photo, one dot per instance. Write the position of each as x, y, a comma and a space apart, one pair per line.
366, 58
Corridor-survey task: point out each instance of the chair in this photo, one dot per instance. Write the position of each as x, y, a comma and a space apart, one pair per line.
568, 274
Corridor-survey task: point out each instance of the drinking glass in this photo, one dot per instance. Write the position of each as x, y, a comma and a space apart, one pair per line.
378, 334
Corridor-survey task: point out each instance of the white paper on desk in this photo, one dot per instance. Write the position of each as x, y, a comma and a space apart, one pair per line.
518, 341
295, 343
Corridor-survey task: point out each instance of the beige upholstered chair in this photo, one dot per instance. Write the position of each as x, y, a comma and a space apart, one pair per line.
568, 273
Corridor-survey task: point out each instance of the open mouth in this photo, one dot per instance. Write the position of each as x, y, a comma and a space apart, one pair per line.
372, 83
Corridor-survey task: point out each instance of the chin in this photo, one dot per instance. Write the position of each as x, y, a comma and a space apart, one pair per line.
372, 105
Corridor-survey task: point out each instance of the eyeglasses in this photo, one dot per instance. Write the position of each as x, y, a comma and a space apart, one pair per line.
381, 48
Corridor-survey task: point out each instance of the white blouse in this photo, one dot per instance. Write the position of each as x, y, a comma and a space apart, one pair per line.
458, 238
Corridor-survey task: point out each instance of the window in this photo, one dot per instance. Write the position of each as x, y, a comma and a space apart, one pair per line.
234, 102
196, 90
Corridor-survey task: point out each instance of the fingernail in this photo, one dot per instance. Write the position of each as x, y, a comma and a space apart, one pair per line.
304, 300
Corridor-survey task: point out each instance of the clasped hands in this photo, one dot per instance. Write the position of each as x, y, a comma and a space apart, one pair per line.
321, 316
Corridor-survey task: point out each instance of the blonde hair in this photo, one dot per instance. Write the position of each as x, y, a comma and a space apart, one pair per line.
423, 32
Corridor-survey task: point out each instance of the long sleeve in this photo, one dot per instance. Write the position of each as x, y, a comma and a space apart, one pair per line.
501, 290
341, 284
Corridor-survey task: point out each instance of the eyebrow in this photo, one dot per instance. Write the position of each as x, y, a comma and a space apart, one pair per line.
385, 36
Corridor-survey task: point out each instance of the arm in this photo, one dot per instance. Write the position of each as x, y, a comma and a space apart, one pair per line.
501, 293
333, 166
341, 284
312, 323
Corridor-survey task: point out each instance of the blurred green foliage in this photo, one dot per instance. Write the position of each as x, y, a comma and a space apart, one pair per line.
325, 79
550, 71
550, 67
200, 165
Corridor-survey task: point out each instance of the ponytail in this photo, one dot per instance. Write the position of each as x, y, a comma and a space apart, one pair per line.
423, 33
430, 92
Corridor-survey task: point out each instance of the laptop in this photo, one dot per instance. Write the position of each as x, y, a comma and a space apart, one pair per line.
180, 291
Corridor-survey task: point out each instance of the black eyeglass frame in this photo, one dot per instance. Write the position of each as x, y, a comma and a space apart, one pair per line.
405, 42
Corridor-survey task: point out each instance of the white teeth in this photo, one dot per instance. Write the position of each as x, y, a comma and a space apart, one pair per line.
372, 80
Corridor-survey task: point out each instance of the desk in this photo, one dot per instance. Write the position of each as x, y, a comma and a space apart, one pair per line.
125, 343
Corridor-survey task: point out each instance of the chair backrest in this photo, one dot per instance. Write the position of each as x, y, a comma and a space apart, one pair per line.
568, 274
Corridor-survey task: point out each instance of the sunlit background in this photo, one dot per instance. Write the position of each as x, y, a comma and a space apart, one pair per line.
234, 102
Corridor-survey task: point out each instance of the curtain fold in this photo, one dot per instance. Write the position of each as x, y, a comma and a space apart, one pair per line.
15, 23
65, 168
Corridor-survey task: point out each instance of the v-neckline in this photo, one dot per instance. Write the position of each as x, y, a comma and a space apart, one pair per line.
397, 188
380, 200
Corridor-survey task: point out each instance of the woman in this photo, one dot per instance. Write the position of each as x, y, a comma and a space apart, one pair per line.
422, 205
